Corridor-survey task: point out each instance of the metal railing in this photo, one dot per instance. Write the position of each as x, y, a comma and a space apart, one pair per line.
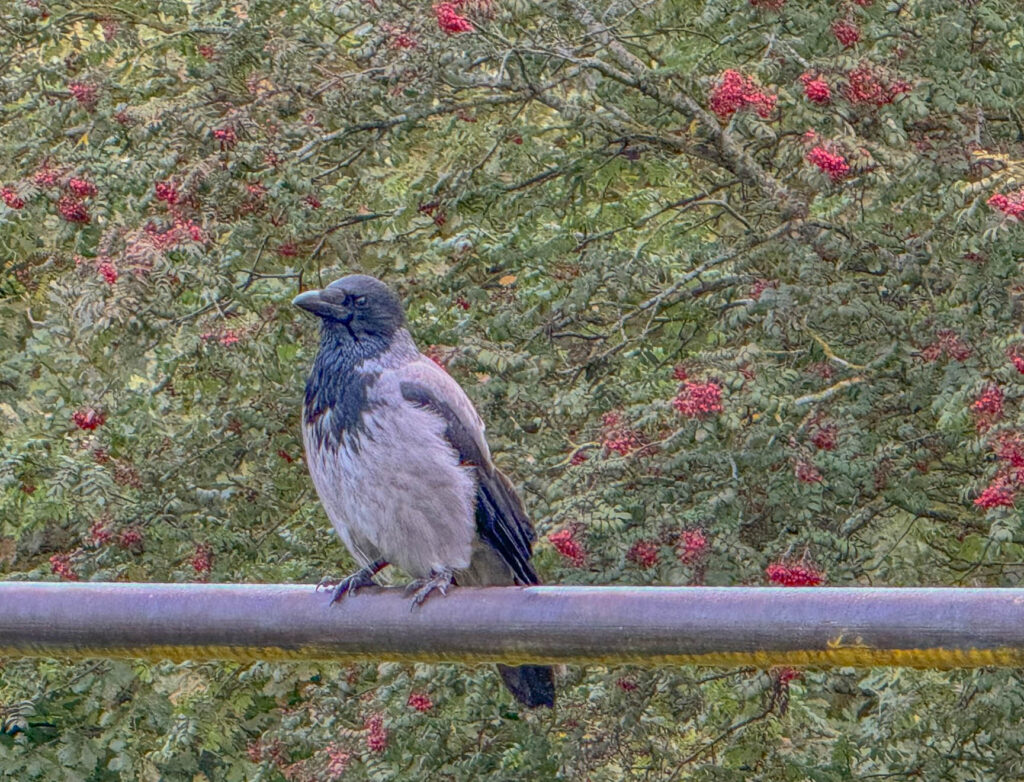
722, 626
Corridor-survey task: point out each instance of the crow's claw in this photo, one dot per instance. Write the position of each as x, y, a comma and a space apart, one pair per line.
327, 582
351, 584
421, 588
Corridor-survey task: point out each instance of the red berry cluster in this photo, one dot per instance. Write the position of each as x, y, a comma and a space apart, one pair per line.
846, 32
617, 437
826, 438
82, 188
88, 418
947, 343
167, 191
1014, 354
867, 86
202, 560
108, 271
206, 51
1011, 205
806, 472
100, 533
578, 458
73, 210
783, 676
833, 164
86, 94
450, 20
794, 574
61, 565
643, 553
568, 546
226, 136
998, 494
337, 761
626, 685
735, 91
760, 286
399, 38
816, 89
420, 701
1001, 492
46, 176
312, 202
692, 546
130, 538
376, 734
699, 400
988, 407
11, 198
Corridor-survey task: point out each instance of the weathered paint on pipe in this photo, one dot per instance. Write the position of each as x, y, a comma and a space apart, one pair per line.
727, 626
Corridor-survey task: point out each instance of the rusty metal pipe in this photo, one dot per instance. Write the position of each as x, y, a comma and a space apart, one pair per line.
924, 628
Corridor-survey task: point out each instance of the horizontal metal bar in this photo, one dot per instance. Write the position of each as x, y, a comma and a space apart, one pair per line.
924, 628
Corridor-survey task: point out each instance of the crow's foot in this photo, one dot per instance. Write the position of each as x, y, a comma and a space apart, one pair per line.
421, 588
351, 584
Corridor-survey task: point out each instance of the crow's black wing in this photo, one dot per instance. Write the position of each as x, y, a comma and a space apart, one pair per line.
501, 519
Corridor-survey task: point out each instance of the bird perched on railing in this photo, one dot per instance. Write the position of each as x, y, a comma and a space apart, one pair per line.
397, 453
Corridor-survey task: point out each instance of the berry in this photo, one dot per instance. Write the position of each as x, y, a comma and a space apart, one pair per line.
12, 199
832, 164
450, 20
166, 191
644, 553
108, 272
846, 32
73, 210
87, 95
807, 472
99, 533
61, 565
988, 407
999, 494
735, 91
376, 734
568, 546
1011, 205
88, 418
794, 574
692, 546
825, 439
202, 560
760, 286
699, 400
578, 458
420, 702
226, 137
82, 188
816, 89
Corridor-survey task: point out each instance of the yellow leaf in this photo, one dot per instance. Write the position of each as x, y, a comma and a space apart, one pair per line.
507, 280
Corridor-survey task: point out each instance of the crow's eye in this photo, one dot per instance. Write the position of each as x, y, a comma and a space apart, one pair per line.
360, 301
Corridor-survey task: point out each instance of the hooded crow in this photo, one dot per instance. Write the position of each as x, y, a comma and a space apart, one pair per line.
398, 457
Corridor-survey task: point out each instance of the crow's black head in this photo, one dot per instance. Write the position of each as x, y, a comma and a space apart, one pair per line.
357, 308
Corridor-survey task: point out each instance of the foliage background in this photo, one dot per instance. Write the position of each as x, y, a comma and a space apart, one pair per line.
575, 229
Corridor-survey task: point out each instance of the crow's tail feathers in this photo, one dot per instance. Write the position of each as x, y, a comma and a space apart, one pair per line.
532, 685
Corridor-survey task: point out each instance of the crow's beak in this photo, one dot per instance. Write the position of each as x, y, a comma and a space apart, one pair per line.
310, 300
306, 300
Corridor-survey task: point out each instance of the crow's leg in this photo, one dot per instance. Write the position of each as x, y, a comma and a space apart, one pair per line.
350, 584
421, 588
